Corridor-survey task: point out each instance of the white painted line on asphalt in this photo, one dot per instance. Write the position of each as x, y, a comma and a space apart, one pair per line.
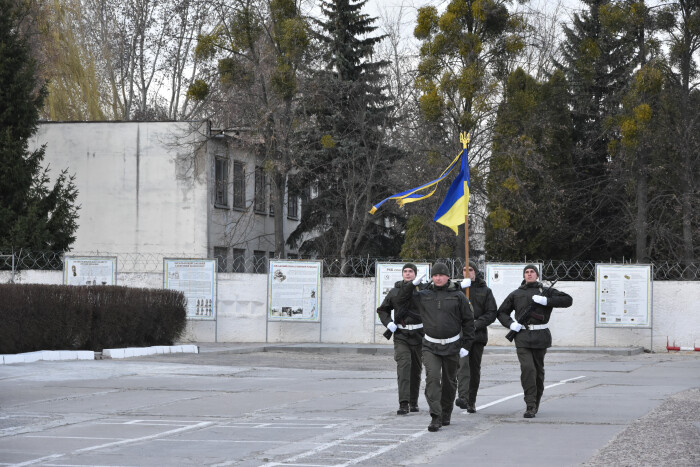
221, 441
115, 443
564, 381
276, 426
320, 448
385, 449
377, 440
355, 437
391, 387
72, 437
144, 423
117, 421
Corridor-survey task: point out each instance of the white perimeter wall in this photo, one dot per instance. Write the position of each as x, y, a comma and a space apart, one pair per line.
348, 313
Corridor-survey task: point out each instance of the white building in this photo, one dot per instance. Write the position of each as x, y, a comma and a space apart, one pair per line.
166, 189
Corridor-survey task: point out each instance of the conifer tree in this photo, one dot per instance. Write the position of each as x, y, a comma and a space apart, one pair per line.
33, 215
597, 61
348, 157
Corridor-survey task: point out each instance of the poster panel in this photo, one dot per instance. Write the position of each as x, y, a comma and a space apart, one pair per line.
623, 295
90, 270
294, 290
503, 278
196, 278
386, 276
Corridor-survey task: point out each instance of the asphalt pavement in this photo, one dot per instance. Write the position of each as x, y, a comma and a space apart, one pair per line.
326, 405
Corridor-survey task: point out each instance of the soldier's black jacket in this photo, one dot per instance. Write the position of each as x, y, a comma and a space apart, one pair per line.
445, 311
485, 309
519, 300
409, 316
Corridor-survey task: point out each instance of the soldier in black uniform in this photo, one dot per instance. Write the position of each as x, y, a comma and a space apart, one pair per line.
533, 337
485, 309
448, 322
407, 329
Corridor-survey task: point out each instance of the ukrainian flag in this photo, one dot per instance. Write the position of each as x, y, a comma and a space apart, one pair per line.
414, 194
453, 210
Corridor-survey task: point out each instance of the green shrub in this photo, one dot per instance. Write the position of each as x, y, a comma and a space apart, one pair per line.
59, 317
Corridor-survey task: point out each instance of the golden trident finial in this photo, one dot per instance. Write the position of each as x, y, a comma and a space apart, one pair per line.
464, 138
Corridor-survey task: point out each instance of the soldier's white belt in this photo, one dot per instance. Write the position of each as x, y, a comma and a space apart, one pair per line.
441, 341
410, 327
537, 327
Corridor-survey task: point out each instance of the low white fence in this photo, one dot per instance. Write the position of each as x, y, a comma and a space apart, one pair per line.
348, 313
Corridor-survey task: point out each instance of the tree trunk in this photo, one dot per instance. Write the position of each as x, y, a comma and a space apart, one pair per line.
278, 188
642, 209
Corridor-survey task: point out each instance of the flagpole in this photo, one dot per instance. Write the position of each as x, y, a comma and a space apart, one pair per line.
464, 138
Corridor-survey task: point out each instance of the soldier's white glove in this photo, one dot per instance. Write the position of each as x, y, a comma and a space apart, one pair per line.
540, 299
391, 327
463, 352
467, 282
419, 280
515, 326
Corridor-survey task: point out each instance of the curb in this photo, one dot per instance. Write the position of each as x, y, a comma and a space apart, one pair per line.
56, 355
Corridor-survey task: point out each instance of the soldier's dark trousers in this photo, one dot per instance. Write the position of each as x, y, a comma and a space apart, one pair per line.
532, 374
440, 382
469, 374
408, 370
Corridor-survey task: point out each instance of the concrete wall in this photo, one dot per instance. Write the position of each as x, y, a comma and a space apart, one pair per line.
348, 313
138, 184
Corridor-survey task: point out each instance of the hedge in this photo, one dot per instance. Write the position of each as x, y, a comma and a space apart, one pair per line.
62, 317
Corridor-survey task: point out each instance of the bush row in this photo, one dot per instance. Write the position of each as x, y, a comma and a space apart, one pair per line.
60, 317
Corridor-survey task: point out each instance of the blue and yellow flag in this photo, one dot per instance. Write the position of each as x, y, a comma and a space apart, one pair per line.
453, 210
414, 194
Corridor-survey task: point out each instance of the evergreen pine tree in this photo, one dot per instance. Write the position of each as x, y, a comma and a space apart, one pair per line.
598, 62
32, 215
347, 156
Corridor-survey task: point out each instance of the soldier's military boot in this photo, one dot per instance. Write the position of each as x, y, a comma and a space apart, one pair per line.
446, 419
461, 403
403, 408
471, 407
435, 423
530, 412
414, 407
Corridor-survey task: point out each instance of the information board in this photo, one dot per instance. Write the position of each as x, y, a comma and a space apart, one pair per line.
623, 295
386, 276
90, 270
196, 278
294, 290
503, 278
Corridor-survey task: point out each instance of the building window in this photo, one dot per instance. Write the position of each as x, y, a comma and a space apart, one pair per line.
259, 190
238, 185
238, 260
292, 206
221, 255
221, 182
260, 261
272, 202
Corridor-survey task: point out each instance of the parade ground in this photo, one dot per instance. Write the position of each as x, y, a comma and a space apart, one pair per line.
248, 405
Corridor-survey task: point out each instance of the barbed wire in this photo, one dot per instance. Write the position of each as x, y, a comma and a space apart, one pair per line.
562, 270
